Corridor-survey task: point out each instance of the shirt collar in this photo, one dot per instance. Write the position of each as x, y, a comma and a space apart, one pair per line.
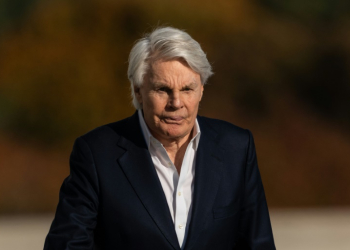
149, 137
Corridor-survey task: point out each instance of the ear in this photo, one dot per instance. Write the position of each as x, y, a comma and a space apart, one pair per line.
202, 89
138, 95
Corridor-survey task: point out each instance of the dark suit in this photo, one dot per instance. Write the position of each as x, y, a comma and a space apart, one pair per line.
113, 198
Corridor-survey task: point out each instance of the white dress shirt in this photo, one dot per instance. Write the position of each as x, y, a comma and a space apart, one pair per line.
178, 190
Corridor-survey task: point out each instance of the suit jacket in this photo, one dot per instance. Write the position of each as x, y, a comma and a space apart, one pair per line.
113, 198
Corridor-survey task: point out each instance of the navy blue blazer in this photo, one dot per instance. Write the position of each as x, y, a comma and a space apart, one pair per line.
113, 198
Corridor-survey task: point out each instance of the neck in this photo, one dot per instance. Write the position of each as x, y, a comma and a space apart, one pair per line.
176, 149
175, 143
176, 152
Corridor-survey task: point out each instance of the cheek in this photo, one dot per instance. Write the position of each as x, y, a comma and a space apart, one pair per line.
193, 104
156, 104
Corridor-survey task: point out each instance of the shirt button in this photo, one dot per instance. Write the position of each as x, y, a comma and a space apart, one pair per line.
170, 164
179, 193
181, 226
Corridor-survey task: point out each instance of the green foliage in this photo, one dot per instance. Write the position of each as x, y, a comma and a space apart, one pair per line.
63, 71
281, 70
312, 10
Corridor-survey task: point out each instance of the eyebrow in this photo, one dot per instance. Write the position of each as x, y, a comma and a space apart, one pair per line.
190, 85
160, 85
164, 85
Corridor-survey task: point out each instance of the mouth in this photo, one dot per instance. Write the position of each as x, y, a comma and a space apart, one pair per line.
173, 119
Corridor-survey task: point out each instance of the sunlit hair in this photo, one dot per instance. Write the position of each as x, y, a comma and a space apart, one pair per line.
165, 43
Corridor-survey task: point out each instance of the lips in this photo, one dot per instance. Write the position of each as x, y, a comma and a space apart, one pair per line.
173, 119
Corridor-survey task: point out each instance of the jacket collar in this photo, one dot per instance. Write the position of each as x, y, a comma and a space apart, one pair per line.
208, 172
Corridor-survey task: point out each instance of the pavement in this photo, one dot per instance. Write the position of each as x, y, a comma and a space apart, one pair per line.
294, 229
311, 229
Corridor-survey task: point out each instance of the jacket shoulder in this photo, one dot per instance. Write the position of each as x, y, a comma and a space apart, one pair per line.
221, 126
107, 132
226, 133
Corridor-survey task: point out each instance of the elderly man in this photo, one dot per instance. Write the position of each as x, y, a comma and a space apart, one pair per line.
164, 178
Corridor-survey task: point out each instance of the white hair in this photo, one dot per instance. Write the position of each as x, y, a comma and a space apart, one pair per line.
165, 43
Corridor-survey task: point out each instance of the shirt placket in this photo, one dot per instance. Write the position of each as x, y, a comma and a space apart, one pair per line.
180, 211
181, 206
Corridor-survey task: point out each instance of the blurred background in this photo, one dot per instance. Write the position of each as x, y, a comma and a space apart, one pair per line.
281, 70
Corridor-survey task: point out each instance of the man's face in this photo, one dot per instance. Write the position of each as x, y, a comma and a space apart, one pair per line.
170, 97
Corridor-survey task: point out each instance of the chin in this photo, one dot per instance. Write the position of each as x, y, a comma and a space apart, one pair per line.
175, 134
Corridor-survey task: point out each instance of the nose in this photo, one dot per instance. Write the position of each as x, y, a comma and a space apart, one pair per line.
175, 101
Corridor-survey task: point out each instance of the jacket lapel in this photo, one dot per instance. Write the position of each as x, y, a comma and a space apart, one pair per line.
138, 167
208, 171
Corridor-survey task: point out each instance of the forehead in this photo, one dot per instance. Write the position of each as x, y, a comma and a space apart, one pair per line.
174, 70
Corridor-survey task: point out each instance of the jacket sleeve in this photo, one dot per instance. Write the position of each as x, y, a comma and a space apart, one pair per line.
76, 214
254, 226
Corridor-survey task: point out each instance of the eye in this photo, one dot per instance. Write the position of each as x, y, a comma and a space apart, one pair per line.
186, 89
162, 89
